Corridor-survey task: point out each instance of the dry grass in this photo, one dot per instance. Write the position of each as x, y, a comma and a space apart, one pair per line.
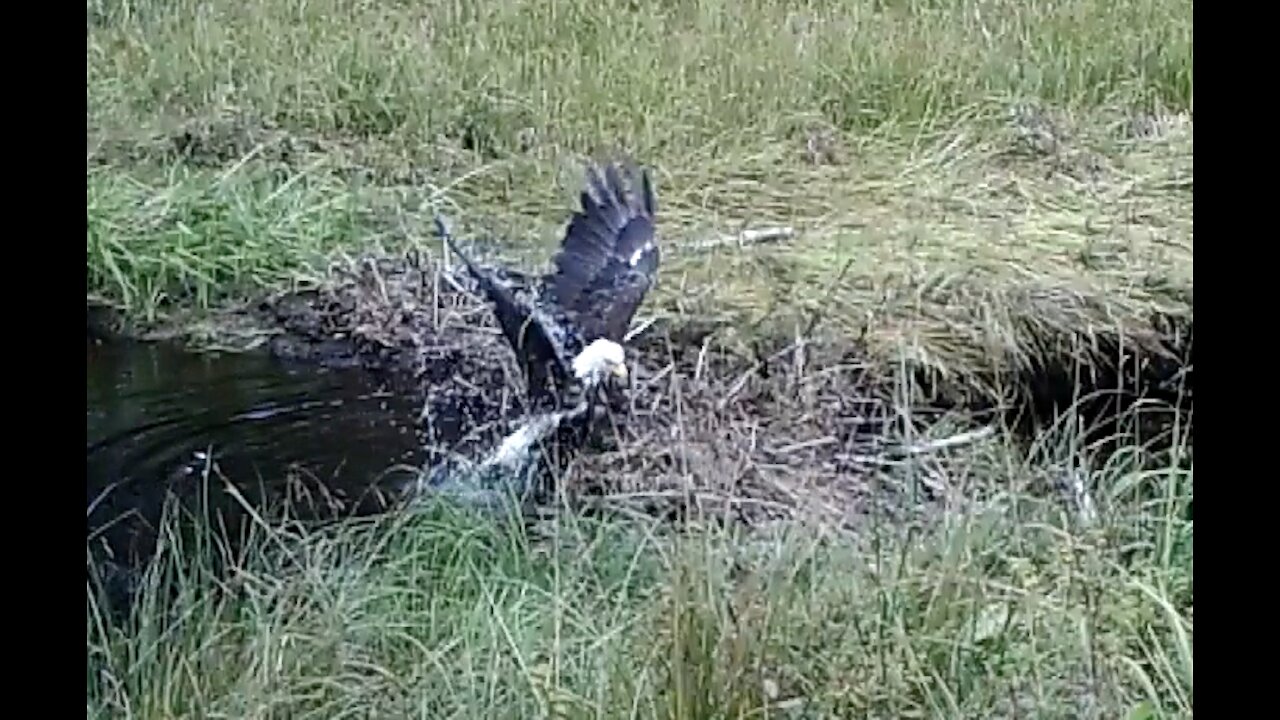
984, 578
993, 201
976, 268
1004, 606
972, 163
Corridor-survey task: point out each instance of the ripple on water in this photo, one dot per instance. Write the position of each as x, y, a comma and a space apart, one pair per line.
157, 418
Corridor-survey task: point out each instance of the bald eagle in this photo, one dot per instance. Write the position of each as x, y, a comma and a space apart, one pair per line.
567, 327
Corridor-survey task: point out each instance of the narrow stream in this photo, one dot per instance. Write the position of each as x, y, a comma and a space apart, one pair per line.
160, 421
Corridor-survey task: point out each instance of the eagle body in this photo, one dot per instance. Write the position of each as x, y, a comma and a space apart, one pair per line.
567, 326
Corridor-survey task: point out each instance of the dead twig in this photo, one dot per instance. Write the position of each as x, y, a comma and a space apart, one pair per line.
699, 497
741, 382
804, 445
639, 328
743, 239
930, 446
895, 456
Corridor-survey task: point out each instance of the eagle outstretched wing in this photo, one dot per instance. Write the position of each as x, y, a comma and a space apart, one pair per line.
603, 270
609, 255
522, 322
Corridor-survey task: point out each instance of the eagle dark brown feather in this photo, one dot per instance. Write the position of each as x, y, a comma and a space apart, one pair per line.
603, 270
608, 256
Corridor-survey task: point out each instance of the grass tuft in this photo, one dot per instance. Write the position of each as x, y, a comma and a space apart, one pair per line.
199, 240
1010, 606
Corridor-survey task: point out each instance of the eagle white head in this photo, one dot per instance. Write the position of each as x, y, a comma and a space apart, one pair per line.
599, 359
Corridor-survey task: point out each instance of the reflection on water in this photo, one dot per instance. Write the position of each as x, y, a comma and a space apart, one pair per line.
159, 420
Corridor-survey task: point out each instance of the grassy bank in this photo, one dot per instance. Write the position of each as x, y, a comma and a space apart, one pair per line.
1011, 606
235, 147
984, 189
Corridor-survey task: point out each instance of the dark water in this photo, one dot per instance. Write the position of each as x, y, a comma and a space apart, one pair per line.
164, 422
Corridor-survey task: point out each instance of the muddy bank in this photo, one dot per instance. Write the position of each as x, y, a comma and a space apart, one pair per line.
807, 427
773, 431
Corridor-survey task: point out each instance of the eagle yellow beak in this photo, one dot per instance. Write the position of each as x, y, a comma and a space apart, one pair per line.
620, 370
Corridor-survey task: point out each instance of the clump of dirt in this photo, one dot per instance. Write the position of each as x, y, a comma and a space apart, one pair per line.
419, 329
750, 441
379, 314
1122, 378
1146, 383
210, 142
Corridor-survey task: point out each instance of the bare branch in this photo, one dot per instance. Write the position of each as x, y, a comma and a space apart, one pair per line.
639, 328
743, 239
929, 446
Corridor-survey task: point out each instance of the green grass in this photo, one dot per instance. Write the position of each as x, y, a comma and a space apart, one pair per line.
969, 164
233, 147
1008, 607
